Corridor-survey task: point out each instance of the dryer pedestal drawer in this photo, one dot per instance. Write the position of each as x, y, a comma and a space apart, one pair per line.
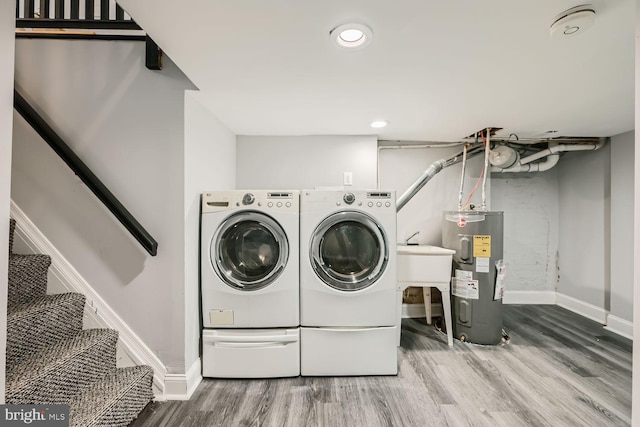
251, 353
348, 351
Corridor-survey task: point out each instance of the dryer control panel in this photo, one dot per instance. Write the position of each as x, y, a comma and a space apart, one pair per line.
384, 200
379, 200
263, 200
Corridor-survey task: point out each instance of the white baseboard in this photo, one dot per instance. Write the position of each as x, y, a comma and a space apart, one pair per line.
182, 386
97, 312
529, 297
619, 326
582, 308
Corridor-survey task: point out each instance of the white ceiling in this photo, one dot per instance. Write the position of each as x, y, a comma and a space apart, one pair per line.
436, 70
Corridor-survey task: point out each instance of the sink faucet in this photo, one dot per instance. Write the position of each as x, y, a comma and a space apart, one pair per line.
406, 242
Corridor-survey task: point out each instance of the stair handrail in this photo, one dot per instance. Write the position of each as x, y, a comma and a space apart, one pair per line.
85, 174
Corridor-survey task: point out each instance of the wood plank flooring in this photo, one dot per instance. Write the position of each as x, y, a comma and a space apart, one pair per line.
559, 369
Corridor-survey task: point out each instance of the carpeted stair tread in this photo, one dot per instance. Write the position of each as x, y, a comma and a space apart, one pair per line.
58, 372
115, 400
50, 318
51, 360
27, 277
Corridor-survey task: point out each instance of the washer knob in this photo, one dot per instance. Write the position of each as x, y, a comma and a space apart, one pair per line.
248, 198
349, 198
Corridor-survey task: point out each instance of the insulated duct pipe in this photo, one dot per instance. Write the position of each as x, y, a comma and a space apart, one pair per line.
430, 172
426, 176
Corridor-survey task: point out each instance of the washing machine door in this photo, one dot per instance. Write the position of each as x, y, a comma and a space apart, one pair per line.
249, 251
349, 251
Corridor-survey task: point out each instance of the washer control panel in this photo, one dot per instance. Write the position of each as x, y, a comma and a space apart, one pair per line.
285, 201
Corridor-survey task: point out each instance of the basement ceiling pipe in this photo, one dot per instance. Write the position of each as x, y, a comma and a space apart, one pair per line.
430, 172
550, 161
525, 164
561, 148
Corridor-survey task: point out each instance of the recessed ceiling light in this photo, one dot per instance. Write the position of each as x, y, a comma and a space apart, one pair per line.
379, 123
351, 35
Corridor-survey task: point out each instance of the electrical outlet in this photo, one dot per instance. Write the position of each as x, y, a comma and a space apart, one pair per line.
348, 178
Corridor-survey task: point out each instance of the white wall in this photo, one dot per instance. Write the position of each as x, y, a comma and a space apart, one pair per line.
7, 44
622, 212
305, 162
209, 163
531, 215
127, 124
583, 179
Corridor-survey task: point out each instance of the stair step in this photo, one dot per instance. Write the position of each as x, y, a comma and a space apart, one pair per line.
49, 319
12, 230
56, 373
27, 278
114, 401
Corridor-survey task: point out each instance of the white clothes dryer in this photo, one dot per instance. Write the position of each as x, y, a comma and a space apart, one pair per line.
348, 282
250, 283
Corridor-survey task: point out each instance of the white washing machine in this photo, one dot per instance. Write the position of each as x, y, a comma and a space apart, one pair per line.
348, 282
250, 283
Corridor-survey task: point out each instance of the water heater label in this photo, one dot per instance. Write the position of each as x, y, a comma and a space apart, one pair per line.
465, 288
482, 246
482, 265
501, 272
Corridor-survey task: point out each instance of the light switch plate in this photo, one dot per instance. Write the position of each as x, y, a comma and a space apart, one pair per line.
348, 178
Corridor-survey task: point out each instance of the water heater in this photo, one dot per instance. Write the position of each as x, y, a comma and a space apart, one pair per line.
478, 274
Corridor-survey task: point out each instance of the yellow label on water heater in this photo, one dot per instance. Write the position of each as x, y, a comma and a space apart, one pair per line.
482, 246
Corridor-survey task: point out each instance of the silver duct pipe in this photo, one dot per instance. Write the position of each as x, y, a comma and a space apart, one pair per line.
426, 176
430, 172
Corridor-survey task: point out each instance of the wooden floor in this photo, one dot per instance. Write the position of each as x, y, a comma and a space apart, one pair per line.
559, 369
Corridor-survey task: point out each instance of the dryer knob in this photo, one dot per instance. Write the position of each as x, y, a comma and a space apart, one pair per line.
248, 198
349, 198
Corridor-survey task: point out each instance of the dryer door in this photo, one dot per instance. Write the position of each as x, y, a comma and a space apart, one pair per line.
249, 250
349, 251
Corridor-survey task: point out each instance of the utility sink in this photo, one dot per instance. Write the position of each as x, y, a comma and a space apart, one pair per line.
424, 264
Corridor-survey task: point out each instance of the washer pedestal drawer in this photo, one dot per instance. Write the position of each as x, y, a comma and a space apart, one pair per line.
251, 353
348, 351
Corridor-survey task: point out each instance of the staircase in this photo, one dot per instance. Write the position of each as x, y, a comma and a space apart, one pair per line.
51, 360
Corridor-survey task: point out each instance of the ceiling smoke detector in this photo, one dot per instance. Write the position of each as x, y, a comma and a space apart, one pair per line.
573, 21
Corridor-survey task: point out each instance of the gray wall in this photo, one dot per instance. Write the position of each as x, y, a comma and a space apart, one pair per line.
209, 163
126, 123
305, 162
7, 44
583, 179
622, 212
